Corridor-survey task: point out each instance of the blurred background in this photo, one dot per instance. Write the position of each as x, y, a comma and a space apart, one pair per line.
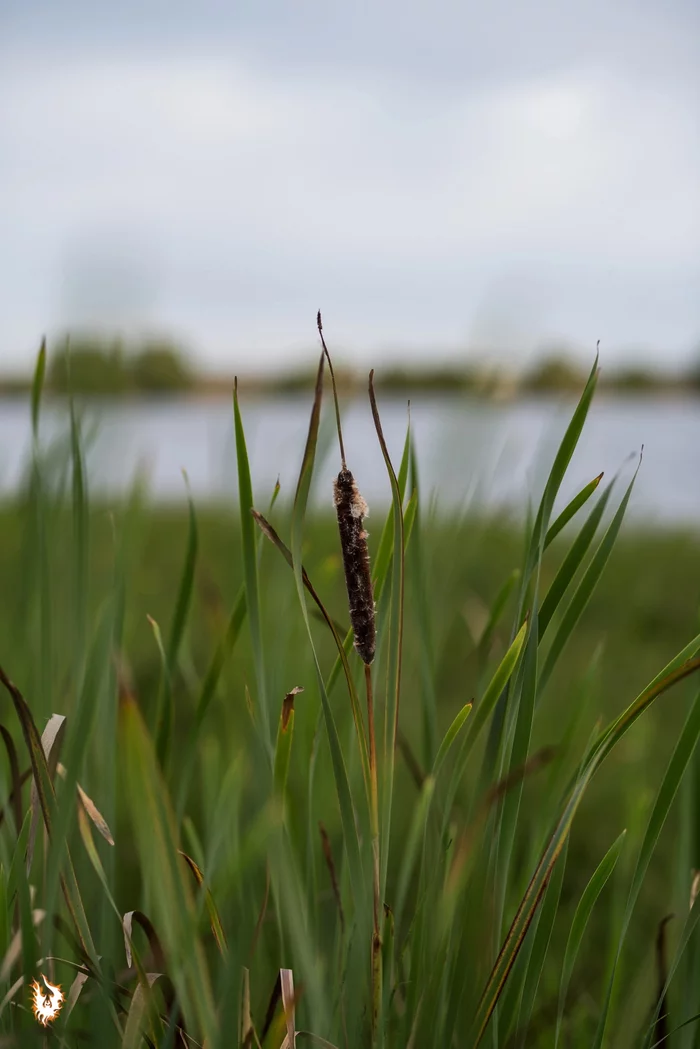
473, 196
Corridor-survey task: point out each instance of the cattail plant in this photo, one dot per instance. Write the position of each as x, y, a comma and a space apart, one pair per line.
351, 510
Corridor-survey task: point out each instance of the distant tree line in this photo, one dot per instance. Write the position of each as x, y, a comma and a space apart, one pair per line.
100, 366
110, 368
552, 373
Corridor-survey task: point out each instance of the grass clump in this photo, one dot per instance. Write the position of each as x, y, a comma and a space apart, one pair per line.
216, 843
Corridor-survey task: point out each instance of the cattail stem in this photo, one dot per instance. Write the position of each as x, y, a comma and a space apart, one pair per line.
374, 827
319, 324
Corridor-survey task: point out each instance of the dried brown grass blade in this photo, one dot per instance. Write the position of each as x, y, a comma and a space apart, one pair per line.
51, 741
152, 936
90, 808
74, 992
136, 1016
288, 1004
214, 919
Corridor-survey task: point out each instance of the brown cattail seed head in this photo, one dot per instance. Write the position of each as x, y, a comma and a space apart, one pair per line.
351, 510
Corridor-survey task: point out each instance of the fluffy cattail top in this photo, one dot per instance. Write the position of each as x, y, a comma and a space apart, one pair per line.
351, 509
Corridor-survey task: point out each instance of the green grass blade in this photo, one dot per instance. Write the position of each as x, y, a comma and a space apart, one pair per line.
540, 942
533, 559
250, 567
94, 857
80, 541
686, 1023
184, 595
382, 561
680, 667
496, 612
416, 834
572, 562
227, 644
158, 851
684, 939
424, 620
15, 778
450, 736
212, 910
38, 386
677, 766
538, 883
221, 654
586, 587
485, 707
565, 452
572, 509
556, 476
283, 748
395, 642
165, 727
141, 1009
583, 912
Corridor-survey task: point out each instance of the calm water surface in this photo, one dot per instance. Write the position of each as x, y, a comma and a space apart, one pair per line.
470, 453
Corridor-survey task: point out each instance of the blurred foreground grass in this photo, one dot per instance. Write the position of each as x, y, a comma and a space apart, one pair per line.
113, 617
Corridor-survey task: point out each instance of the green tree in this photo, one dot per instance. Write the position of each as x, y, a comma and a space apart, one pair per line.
89, 366
160, 368
636, 378
554, 372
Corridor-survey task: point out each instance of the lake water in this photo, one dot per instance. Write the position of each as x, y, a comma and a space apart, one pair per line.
470, 453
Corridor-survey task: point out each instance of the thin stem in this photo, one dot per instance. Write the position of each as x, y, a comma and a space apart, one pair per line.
319, 324
374, 823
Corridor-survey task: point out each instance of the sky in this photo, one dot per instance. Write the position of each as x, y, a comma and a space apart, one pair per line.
445, 181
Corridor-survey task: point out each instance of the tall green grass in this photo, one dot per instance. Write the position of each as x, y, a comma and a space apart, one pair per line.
207, 842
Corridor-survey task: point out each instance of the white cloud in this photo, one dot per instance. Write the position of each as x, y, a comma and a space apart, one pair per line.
244, 198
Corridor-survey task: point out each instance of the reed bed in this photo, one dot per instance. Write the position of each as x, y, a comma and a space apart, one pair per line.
313, 822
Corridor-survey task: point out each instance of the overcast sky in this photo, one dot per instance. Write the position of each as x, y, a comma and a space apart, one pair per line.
448, 178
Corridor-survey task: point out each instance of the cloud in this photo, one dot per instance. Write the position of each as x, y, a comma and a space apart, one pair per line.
208, 190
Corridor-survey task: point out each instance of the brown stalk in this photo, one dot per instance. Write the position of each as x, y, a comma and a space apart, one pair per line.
376, 884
